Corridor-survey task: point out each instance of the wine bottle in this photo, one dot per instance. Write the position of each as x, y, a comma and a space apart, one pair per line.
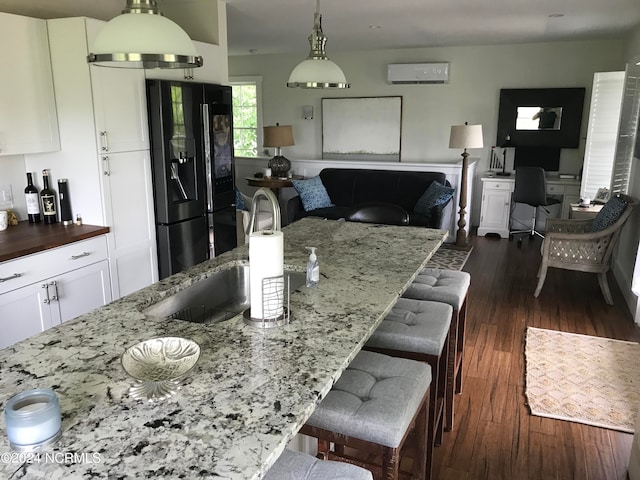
48, 199
33, 201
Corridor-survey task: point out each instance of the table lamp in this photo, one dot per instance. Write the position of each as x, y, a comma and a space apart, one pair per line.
464, 136
278, 137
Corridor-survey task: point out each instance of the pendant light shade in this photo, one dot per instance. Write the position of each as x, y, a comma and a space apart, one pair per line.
142, 38
317, 71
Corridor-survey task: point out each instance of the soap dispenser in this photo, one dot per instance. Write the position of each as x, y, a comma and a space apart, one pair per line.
313, 269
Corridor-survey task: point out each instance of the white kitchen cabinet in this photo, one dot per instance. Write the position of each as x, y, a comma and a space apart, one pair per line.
128, 203
45, 289
108, 174
121, 125
23, 314
213, 70
496, 203
28, 122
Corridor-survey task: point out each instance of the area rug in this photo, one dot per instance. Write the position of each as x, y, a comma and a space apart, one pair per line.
449, 258
584, 379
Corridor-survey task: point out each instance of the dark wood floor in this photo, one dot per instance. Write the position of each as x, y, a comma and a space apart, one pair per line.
495, 437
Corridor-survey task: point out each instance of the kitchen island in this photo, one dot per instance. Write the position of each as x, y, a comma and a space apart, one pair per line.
251, 389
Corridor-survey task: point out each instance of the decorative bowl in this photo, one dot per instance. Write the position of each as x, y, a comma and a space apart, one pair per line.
157, 364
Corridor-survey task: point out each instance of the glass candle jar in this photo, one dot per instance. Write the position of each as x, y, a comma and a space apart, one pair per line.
33, 419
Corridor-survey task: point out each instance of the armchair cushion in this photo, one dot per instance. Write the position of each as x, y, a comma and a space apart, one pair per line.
435, 195
312, 193
609, 214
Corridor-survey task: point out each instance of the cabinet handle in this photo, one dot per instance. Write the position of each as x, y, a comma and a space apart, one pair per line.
15, 275
107, 167
54, 284
104, 141
46, 287
83, 254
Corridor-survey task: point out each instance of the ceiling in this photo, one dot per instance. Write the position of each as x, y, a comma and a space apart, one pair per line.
277, 26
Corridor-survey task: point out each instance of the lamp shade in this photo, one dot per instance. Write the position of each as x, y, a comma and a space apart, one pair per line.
317, 73
278, 136
466, 136
143, 39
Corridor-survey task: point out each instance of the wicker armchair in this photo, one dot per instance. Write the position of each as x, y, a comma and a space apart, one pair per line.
570, 244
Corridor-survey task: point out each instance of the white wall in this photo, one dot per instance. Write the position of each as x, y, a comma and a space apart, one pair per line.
625, 255
12, 172
477, 75
632, 48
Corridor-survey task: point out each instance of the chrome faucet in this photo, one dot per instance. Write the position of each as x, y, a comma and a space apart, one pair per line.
266, 194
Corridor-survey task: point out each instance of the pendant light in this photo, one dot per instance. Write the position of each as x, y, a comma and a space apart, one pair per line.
143, 38
317, 71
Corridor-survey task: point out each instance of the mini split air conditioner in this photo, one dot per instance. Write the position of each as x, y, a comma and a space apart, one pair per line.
407, 73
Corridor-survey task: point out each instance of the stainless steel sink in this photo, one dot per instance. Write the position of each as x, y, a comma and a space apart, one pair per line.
219, 297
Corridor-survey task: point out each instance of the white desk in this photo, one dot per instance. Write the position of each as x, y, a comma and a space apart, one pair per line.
496, 202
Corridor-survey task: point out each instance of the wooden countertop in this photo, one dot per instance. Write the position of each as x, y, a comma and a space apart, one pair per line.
27, 238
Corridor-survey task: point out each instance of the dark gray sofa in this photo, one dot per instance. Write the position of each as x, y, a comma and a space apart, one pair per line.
350, 188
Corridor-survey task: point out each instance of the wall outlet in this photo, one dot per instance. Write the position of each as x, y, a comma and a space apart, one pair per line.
6, 196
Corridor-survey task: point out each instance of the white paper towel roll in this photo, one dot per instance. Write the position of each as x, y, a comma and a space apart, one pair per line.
266, 259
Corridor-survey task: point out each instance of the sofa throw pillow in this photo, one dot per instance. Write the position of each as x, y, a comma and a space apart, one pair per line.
243, 202
436, 194
312, 193
609, 214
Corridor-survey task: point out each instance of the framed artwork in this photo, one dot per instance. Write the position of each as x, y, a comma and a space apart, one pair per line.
602, 195
362, 128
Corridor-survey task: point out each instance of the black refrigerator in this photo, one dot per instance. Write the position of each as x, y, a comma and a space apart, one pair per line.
191, 132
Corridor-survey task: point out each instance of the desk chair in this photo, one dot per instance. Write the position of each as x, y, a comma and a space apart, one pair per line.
530, 188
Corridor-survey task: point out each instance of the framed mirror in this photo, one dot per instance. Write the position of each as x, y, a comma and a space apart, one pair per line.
540, 117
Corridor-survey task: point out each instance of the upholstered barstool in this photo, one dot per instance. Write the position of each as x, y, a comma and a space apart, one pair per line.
301, 466
451, 287
419, 330
371, 412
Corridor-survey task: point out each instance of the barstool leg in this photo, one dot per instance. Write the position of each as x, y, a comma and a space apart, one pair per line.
451, 373
390, 464
424, 463
456, 361
323, 449
461, 331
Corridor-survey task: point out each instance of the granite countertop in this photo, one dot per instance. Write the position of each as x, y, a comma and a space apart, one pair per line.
251, 390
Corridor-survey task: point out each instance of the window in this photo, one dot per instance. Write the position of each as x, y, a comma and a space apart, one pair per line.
602, 132
611, 135
627, 137
247, 121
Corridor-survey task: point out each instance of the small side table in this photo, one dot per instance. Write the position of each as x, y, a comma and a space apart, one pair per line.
584, 213
274, 183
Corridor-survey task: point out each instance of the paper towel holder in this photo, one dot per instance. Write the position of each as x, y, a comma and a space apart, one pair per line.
271, 286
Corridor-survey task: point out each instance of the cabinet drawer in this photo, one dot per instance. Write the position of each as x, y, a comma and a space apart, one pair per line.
40, 266
498, 185
572, 190
555, 189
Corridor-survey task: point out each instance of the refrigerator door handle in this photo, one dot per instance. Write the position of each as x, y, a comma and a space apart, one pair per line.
207, 155
212, 245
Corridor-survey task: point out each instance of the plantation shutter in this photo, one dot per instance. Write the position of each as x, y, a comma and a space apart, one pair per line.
628, 131
602, 132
